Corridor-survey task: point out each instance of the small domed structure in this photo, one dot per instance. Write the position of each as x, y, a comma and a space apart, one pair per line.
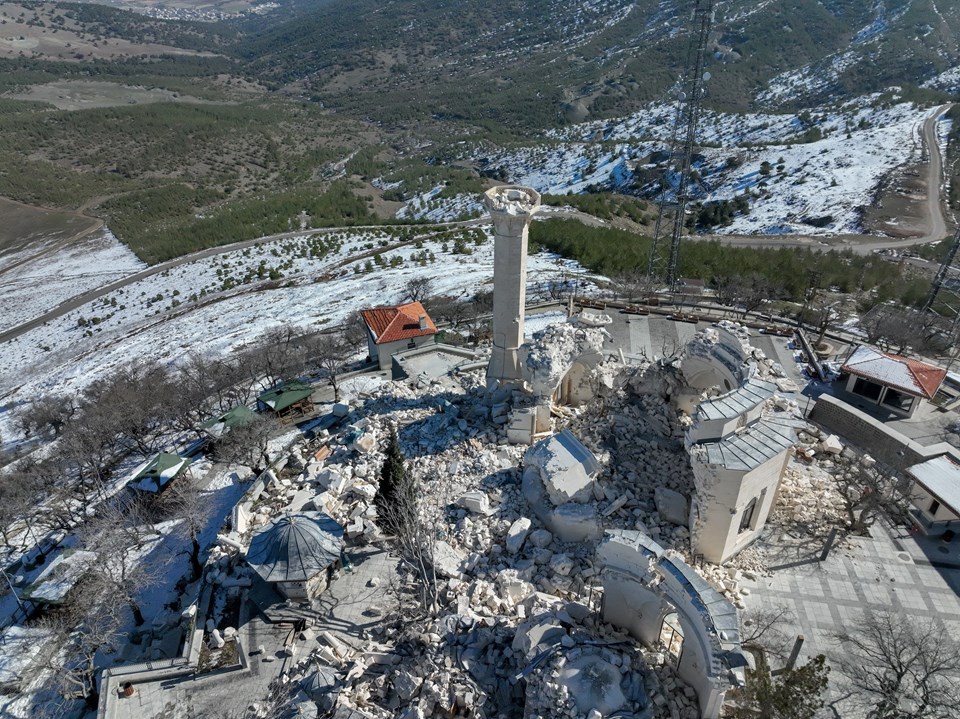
297, 552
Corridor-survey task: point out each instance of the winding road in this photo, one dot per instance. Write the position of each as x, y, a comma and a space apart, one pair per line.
861, 244
936, 223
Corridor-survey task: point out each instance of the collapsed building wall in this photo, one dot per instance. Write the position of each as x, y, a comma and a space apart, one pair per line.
558, 481
738, 449
562, 366
643, 583
715, 360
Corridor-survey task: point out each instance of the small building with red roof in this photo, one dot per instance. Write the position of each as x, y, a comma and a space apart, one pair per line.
898, 384
395, 329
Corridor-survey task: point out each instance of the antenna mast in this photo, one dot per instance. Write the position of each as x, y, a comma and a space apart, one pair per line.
670, 215
943, 282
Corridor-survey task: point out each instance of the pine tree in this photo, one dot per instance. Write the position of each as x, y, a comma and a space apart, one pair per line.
395, 485
793, 694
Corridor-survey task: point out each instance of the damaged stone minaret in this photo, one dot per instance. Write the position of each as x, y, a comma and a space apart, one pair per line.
511, 208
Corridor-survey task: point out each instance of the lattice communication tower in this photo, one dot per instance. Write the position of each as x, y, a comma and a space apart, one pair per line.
671, 211
944, 296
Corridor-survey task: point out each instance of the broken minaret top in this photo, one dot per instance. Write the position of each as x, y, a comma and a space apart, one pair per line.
512, 200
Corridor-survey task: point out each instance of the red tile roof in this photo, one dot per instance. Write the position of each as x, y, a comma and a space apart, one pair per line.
402, 322
907, 375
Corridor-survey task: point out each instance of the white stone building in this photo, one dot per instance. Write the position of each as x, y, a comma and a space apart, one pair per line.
738, 448
936, 493
395, 329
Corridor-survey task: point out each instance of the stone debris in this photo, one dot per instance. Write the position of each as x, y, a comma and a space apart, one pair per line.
517, 535
672, 506
513, 537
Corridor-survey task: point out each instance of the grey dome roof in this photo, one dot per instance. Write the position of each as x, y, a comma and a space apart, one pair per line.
320, 682
295, 547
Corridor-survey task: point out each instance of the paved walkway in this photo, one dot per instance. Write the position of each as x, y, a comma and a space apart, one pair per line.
359, 599
890, 569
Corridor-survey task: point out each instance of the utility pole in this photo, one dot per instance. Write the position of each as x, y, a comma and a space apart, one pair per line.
671, 213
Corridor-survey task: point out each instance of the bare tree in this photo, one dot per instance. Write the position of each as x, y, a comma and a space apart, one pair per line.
722, 286
87, 630
330, 353
132, 406
121, 536
453, 311
47, 416
896, 329
751, 291
277, 355
899, 667
407, 516
762, 627
183, 500
419, 289
354, 332
17, 505
869, 492
48, 496
635, 283
208, 387
249, 443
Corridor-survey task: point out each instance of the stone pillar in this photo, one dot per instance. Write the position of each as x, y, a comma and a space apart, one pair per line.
512, 209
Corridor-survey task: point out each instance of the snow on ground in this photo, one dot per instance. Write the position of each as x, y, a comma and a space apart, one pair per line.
312, 294
820, 77
948, 81
355, 387
830, 178
64, 273
432, 208
535, 323
832, 160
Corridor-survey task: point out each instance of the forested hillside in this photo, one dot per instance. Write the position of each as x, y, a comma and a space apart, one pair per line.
534, 63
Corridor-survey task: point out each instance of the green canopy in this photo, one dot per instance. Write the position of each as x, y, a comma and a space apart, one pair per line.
235, 417
159, 472
286, 395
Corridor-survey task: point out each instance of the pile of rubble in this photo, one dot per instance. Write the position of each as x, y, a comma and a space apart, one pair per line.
638, 437
518, 619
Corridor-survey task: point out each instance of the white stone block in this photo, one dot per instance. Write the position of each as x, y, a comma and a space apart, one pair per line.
517, 535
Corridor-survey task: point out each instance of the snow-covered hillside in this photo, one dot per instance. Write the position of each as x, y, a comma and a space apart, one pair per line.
792, 168
157, 318
64, 273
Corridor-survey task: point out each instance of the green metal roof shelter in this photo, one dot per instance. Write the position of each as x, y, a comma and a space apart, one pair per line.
287, 398
156, 474
234, 417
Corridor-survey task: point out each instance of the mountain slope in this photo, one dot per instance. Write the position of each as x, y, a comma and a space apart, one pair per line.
534, 63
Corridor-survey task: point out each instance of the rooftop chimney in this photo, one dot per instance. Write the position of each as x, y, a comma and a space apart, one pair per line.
423, 322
